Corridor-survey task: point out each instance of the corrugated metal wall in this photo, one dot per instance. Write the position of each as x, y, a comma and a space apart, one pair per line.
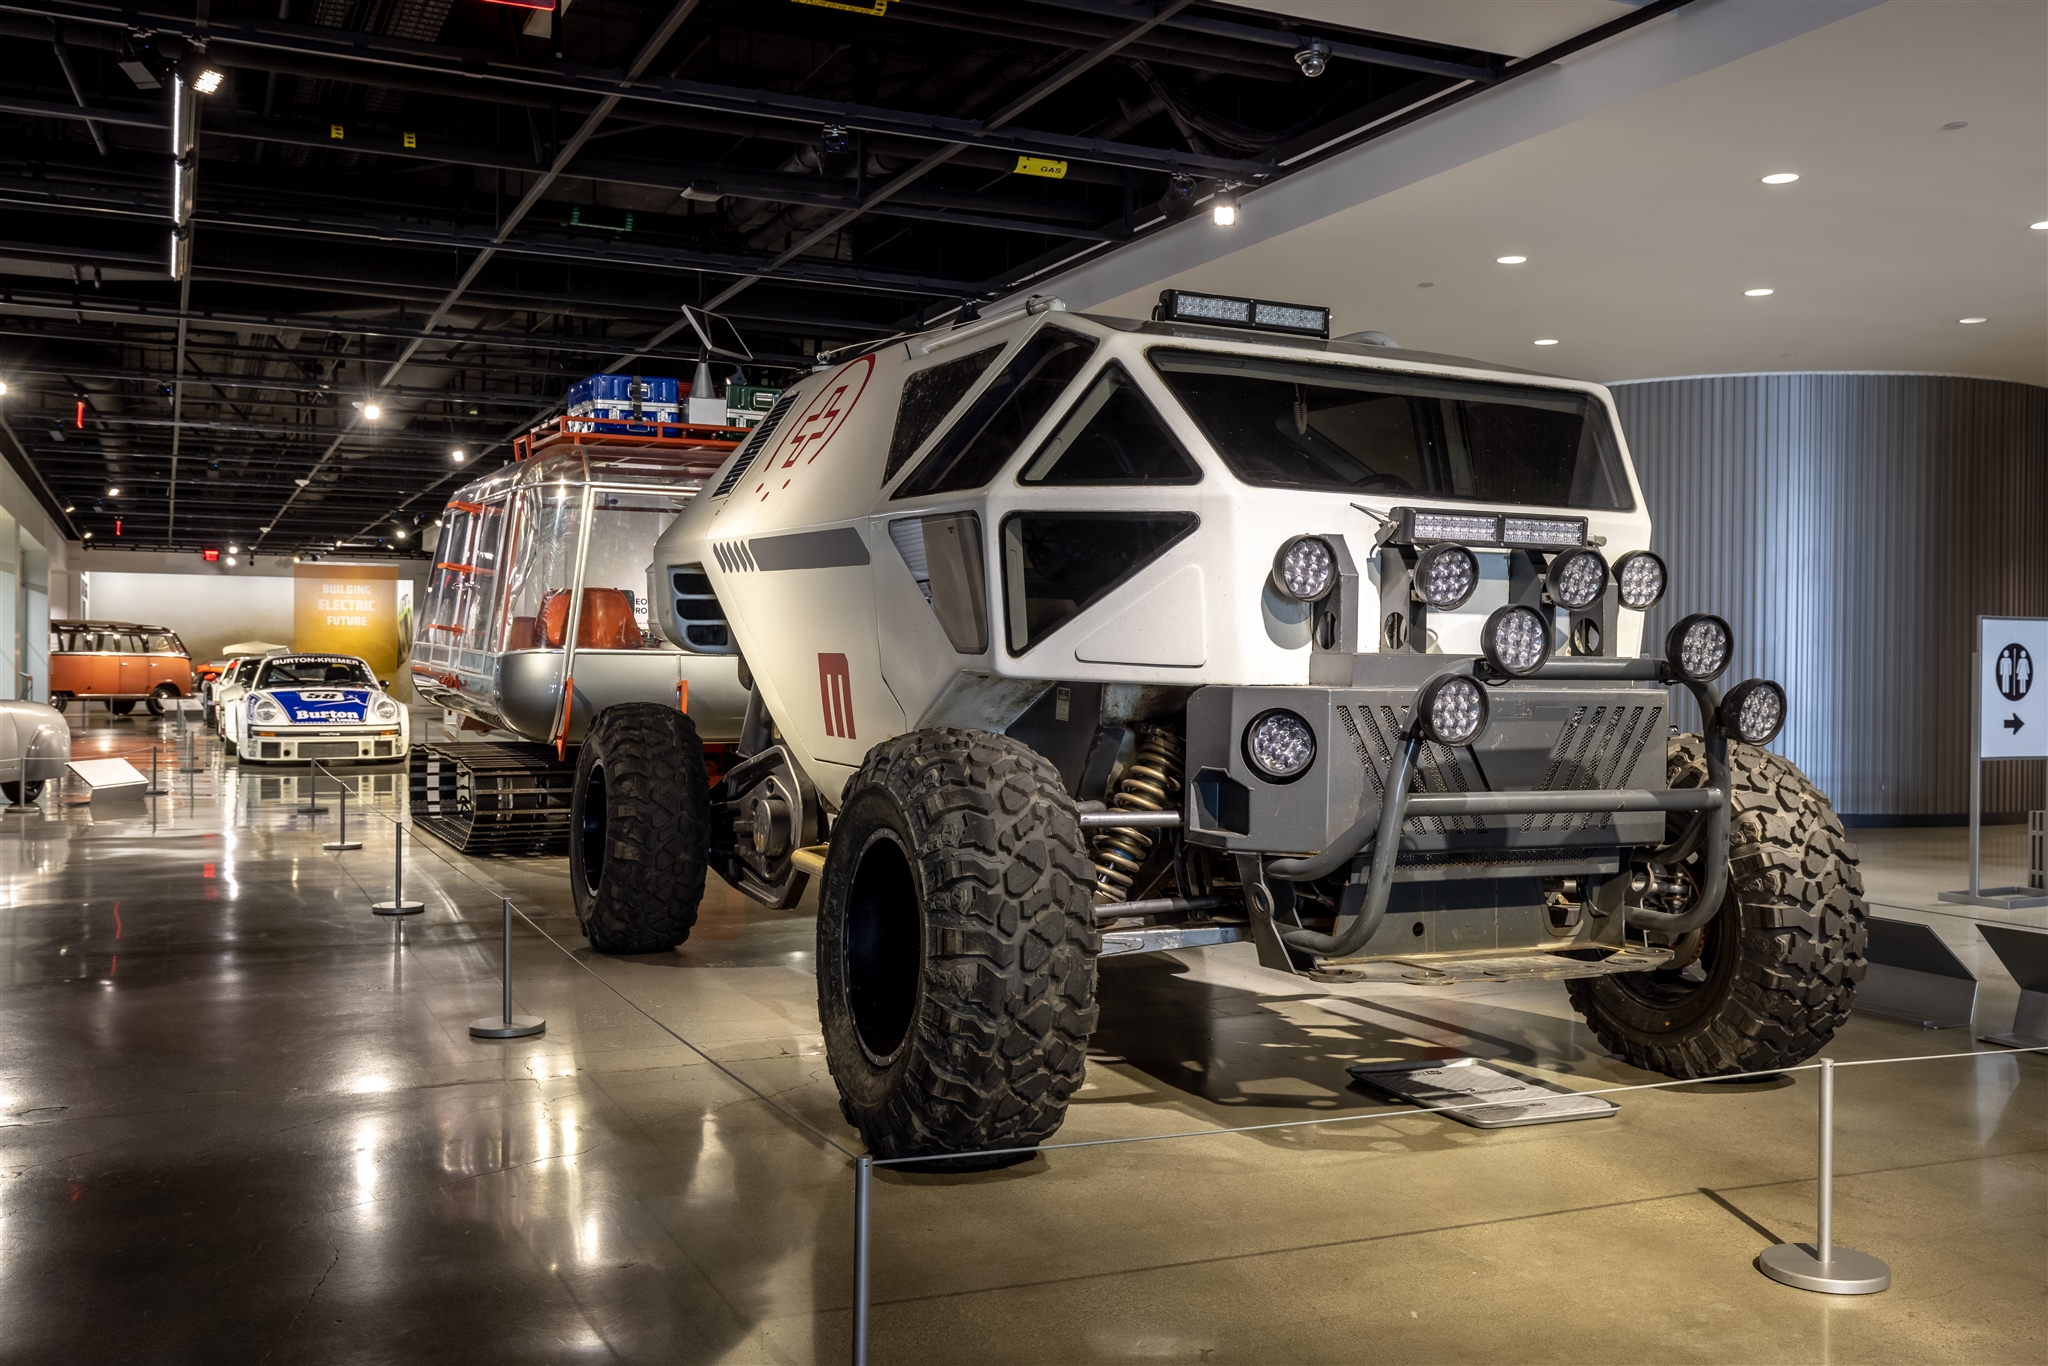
1851, 528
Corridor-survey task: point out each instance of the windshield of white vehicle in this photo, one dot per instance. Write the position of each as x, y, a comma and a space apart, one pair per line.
313, 673
1302, 425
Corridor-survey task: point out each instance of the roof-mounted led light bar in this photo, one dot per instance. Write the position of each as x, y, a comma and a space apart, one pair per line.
1253, 315
1422, 526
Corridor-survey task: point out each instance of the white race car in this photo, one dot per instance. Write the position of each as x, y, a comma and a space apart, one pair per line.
306, 706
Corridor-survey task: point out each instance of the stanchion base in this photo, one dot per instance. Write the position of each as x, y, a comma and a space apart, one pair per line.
494, 1027
2014, 1040
398, 907
309, 811
342, 845
1846, 1273
1998, 898
156, 792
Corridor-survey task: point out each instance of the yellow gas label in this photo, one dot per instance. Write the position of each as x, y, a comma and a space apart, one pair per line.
411, 140
334, 130
1042, 166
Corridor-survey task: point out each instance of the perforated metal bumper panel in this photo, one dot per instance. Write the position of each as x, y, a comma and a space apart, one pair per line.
1555, 737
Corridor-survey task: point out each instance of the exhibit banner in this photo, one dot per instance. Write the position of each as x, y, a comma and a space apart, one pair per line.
2012, 709
349, 609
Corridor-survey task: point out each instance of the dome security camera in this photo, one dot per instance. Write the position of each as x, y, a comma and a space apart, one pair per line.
1313, 59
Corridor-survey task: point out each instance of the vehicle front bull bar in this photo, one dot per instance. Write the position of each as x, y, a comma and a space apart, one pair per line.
1364, 903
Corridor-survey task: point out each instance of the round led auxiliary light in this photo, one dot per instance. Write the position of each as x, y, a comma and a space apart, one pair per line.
1641, 577
1306, 568
1754, 711
1576, 579
1451, 710
1516, 640
1279, 745
1699, 647
1445, 575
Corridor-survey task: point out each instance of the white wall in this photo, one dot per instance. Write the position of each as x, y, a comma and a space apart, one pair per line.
206, 612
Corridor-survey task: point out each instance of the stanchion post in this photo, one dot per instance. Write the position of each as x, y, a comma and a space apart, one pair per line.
863, 1169
312, 783
341, 843
155, 788
398, 905
1820, 1265
511, 1026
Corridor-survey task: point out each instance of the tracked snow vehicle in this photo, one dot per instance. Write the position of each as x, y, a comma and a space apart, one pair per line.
542, 576
1072, 636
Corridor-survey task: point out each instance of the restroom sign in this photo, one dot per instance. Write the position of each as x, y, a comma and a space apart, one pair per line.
2012, 698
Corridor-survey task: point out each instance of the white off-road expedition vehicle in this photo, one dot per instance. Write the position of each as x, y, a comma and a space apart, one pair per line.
1071, 636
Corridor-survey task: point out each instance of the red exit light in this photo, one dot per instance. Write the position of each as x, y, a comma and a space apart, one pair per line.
210, 555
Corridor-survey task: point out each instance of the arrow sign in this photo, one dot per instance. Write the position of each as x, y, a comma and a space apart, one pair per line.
2012, 701
2015, 725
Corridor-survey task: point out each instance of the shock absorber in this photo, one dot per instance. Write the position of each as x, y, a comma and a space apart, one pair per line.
1151, 783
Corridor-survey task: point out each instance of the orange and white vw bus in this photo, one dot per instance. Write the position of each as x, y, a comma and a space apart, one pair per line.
119, 663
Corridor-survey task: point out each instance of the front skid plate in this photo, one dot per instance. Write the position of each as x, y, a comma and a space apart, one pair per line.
1488, 965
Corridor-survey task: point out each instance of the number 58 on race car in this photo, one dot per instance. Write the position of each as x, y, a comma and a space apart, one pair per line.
308, 706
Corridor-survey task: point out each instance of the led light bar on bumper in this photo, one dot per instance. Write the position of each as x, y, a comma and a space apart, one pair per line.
1754, 711
1256, 315
1417, 526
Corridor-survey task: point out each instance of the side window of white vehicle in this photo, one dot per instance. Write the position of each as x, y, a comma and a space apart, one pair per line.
928, 396
984, 437
1112, 435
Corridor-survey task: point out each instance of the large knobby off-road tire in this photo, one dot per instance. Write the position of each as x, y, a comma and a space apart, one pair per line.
1778, 967
639, 829
956, 947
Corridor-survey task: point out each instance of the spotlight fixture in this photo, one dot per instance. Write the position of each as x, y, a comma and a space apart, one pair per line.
1178, 201
372, 411
1699, 646
231, 562
1641, 576
3, 383
1279, 745
87, 536
234, 550
1546, 341
1223, 207
1967, 321
456, 455
1516, 641
401, 535
1758, 293
1305, 569
1444, 576
1576, 579
1754, 711
1510, 260
1451, 710
70, 508
1781, 178
1313, 59
114, 492
206, 82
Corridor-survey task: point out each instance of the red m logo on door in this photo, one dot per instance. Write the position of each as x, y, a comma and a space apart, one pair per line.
835, 690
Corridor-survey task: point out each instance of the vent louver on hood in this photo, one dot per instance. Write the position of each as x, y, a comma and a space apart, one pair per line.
756, 443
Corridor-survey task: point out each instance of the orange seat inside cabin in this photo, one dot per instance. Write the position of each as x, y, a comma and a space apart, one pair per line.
606, 624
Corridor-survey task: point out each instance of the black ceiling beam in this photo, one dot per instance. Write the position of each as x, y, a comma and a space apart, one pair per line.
139, 311
1288, 40
378, 50
49, 196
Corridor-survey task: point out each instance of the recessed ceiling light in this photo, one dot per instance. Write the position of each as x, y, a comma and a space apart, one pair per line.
1546, 341
1758, 293
1510, 260
1973, 320
372, 411
2039, 227
1781, 178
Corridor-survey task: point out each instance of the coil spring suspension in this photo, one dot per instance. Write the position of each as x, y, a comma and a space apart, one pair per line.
1151, 783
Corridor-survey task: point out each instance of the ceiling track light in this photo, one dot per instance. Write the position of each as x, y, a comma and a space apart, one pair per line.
1223, 206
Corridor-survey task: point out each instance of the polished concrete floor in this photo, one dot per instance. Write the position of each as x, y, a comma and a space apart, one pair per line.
244, 1121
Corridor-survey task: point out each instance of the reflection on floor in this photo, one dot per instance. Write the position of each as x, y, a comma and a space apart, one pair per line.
245, 1122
